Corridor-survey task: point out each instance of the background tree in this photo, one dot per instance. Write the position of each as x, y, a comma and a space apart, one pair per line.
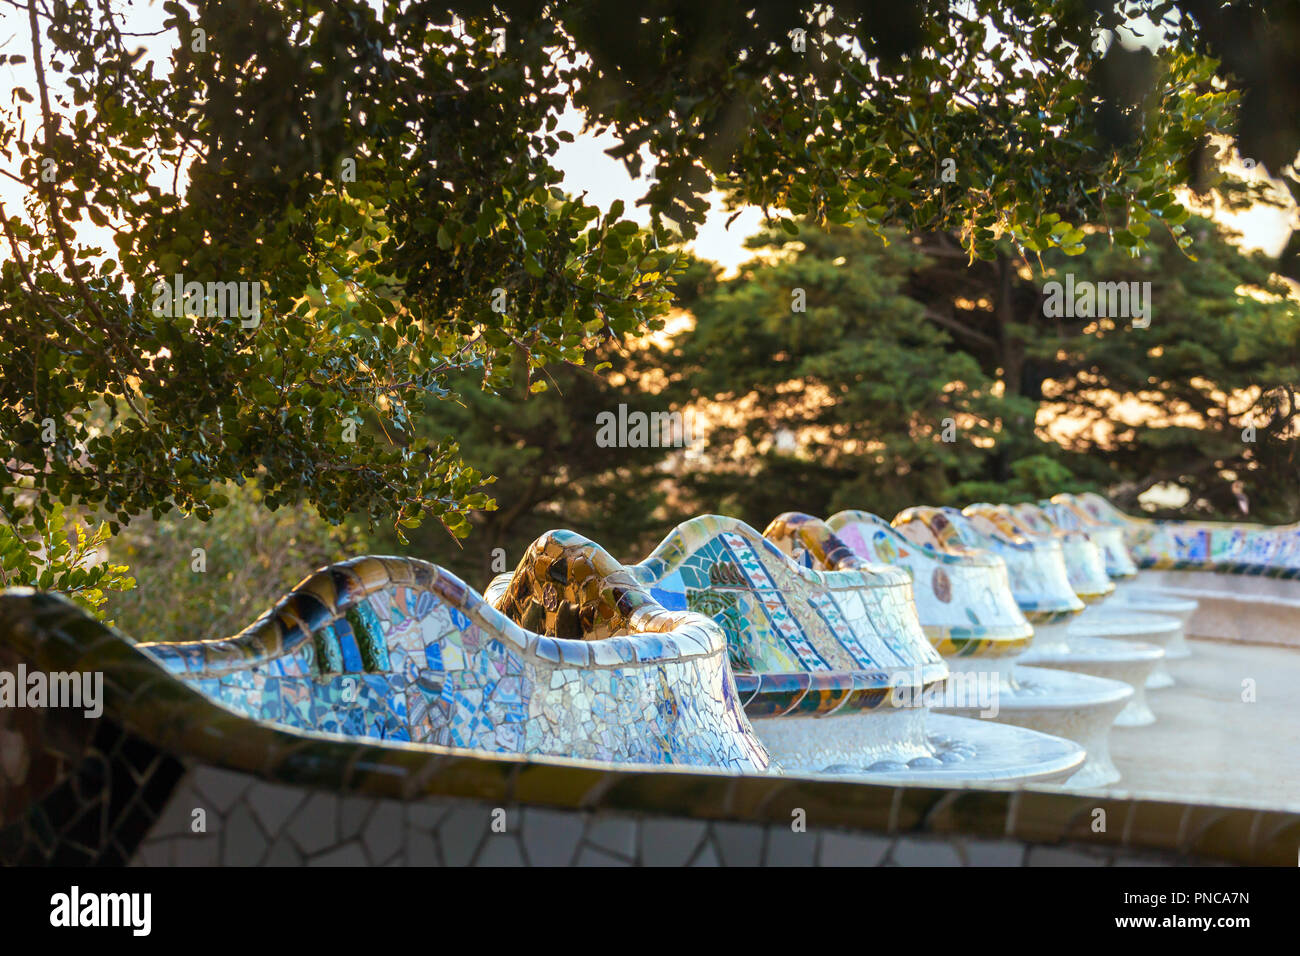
1203, 399
386, 177
898, 340
835, 388
549, 469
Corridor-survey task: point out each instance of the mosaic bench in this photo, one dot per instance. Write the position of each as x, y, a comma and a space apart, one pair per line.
399, 650
1036, 571
124, 788
1062, 513
966, 608
1040, 583
1237, 573
1104, 617
783, 619
1067, 511
1084, 563
1245, 548
963, 601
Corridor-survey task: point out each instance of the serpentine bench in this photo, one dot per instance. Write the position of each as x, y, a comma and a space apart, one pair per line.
966, 609
1164, 544
1084, 562
396, 650
963, 600
782, 619
1062, 514
1040, 582
1242, 576
1105, 617
1068, 511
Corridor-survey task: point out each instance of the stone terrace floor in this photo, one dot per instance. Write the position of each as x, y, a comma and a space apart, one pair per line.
1207, 744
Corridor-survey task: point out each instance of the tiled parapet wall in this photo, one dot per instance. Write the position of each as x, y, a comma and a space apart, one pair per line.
1202, 545
629, 677
1036, 570
57, 765
783, 618
1065, 513
395, 649
275, 795
1084, 565
250, 822
964, 600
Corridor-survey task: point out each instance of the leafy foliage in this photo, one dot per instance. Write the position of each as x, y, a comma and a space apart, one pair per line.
385, 180
70, 558
247, 557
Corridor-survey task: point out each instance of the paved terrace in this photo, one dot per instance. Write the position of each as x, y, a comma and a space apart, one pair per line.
1207, 744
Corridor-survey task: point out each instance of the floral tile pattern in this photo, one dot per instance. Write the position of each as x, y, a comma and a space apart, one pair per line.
1036, 568
782, 618
963, 598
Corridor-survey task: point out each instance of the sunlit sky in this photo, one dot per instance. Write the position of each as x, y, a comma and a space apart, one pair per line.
584, 163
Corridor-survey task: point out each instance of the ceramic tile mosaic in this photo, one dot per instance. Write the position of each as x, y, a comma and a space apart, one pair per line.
797, 647
619, 668
281, 796
394, 649
1065, 514
782, 619
1200, 545
1036, 569
972, 586
782, 615
963, 599
1084, 564
258, 823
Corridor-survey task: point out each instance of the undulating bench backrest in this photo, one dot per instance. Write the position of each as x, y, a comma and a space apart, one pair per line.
1036, 568
1083, 561
1066, 513
963, 597
810, 542
782, 617
399, 649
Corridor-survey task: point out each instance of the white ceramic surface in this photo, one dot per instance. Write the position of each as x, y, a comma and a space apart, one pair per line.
1078, 707
1134, 595
957, 751
1126, 661
1122, 623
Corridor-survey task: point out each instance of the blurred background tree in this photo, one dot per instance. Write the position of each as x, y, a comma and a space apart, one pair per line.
382, 174
830, 366
826, 386
204, 580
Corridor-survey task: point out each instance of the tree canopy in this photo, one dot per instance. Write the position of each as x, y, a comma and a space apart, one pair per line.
385, 181
898, 374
